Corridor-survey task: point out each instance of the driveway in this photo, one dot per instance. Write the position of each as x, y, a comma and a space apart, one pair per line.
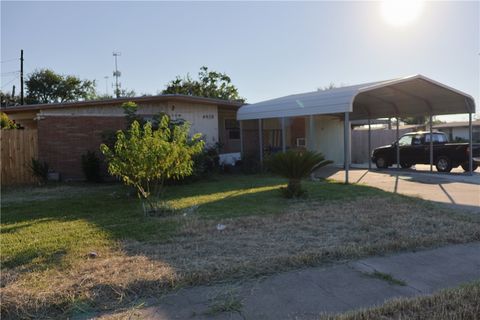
457, 188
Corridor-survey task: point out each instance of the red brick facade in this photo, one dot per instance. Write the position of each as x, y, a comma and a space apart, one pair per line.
62, 140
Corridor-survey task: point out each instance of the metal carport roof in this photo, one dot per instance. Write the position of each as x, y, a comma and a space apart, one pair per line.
403, 97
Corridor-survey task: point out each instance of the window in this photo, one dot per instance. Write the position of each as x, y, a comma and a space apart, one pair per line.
232, 127
405, 141
437, 138
231, 124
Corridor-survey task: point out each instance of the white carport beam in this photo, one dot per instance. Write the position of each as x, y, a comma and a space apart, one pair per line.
369, 144
398, 143
431, 142
470, 142
470, 136
311, 128
241, 139
260, 140
346, 145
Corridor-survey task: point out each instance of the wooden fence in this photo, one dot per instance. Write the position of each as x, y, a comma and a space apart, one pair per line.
18, 147
380, 137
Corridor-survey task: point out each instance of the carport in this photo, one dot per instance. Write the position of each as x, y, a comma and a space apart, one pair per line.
403, 97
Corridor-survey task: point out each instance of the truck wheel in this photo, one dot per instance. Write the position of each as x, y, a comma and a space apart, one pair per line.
465, 166
381, 163
405, 165
444, 164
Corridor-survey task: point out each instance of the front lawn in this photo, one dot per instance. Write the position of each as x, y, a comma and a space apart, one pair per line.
48, 233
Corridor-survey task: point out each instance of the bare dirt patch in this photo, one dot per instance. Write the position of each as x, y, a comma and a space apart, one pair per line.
309, 233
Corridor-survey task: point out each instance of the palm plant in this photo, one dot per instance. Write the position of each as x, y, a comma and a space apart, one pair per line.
296, 165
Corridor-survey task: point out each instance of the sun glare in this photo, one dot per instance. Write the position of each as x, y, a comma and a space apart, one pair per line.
400, 13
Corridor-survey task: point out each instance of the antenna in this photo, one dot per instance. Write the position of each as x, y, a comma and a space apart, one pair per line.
117, 74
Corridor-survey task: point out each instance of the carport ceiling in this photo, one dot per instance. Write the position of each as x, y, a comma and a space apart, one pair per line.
404, 97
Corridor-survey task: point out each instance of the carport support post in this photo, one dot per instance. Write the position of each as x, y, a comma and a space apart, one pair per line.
369, 144
470, 142
431, 142
398, 144
346, 145
241, 139
284, 135
311, 127
260, 140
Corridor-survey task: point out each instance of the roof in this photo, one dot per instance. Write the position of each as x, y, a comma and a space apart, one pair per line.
118, 101
458, 124
404, 97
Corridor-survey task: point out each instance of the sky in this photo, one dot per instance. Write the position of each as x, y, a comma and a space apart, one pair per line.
269, 49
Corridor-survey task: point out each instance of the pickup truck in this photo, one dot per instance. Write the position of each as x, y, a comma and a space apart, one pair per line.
415, 149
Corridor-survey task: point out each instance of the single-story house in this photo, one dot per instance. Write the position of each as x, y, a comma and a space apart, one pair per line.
65, 131
458, 131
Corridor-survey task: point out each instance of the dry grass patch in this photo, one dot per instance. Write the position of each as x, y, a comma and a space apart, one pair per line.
461, 303
307, 233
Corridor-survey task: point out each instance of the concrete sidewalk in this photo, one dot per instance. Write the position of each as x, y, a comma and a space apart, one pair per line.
308, 293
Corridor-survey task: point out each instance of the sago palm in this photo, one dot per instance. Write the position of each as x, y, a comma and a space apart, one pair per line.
296, 165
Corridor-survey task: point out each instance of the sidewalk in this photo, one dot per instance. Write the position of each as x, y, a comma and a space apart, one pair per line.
308, 293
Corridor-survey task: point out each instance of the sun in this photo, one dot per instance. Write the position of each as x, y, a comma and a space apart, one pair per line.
401, 13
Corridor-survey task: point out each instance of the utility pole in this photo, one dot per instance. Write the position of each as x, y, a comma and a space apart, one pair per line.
21, 77
117, 74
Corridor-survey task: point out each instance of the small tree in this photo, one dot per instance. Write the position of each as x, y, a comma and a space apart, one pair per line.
296, 165
144, 158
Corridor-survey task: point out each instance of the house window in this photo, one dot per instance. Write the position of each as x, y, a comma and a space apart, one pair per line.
232, 127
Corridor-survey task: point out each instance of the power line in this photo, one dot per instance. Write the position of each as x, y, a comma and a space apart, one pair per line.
9, 60
6, 74
6, 84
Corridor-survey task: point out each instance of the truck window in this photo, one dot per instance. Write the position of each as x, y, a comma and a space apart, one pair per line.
437, 138
405, 141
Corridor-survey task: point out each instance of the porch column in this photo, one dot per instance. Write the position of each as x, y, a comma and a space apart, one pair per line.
241, 139
369, 144
398, 144
311, 129
346, 145
260, 140
284, 135
431, 142
470, 142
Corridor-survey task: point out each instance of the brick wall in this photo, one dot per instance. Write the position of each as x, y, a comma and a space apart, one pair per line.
62, 140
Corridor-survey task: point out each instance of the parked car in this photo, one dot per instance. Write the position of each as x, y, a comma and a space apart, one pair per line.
415, 149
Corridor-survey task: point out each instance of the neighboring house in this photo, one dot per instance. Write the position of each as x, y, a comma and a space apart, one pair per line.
65, 131
458, 131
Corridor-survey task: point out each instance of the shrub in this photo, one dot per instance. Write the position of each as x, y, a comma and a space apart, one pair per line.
39, 170
250, 164
295, 165
6, 122
146, 158
91, 166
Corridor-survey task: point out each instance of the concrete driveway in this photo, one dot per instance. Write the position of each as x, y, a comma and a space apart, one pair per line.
457, 188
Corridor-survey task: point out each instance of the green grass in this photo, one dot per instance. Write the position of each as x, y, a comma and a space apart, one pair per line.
59, 224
